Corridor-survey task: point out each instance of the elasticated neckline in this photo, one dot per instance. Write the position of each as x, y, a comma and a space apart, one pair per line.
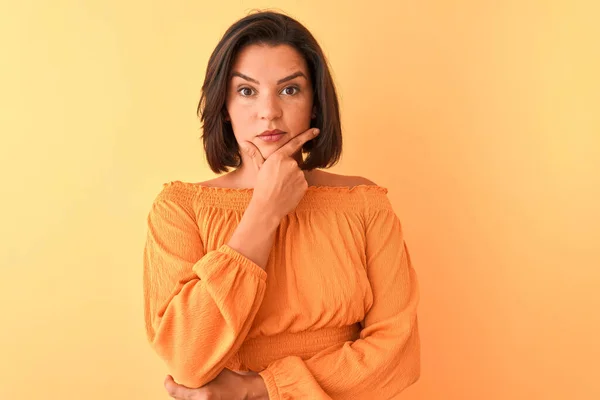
316, 197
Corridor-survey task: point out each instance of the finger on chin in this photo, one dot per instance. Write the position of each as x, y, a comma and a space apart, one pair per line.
254, 154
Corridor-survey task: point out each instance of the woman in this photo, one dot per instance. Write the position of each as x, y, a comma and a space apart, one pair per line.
278, 280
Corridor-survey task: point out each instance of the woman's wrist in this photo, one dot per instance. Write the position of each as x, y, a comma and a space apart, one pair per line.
264, 213
257, 389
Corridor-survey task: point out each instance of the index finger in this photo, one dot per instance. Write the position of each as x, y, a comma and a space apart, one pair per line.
254, 153
296, 143
177, 391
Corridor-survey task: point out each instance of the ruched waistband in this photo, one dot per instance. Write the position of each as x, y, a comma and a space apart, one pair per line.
257, 353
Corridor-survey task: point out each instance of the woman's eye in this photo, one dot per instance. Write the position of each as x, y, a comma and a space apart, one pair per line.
289, 91
286, 90
245, 91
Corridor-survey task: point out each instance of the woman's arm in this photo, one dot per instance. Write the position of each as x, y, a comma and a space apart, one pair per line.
227, 385
386, 358
199, 306
255, 234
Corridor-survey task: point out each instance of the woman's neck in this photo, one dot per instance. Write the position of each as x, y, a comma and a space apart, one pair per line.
245, 177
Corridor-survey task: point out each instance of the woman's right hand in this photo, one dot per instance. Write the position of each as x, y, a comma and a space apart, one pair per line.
280, 183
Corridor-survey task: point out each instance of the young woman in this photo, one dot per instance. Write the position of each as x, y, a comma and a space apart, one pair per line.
278, 280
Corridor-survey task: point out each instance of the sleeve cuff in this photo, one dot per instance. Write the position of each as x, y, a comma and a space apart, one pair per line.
289, 378
206, 269
269, 379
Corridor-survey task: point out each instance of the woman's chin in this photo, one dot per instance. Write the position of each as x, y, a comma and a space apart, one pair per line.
268, 149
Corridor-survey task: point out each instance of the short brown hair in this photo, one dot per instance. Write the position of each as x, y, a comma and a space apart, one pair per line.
272, 29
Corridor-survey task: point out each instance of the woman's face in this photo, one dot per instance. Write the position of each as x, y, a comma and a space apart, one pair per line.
269, 88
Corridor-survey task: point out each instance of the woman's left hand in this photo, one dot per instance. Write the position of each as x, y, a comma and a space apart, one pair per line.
228, 385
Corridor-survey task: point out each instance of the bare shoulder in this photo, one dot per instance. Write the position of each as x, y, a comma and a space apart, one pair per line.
222, 181
323, 178
359, 180
212, 182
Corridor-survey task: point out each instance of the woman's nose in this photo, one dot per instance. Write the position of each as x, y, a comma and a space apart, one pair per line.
269, 107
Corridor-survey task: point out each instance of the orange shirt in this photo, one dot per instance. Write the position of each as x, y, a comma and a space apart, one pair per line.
333, 316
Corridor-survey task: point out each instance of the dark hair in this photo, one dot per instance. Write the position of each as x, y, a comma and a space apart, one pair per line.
272, 29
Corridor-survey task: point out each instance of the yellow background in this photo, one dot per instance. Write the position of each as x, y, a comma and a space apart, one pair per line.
481, 117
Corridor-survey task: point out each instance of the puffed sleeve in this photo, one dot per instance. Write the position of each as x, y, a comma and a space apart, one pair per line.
198, 306
386, 358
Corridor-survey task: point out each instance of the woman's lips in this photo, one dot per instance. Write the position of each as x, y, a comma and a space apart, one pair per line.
272, 138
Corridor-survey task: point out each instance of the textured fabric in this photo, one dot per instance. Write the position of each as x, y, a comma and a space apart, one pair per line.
333, 316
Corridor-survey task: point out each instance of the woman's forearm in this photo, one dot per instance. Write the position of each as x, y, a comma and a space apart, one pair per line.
254, 236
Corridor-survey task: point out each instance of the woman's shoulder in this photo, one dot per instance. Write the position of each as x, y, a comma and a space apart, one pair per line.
325, 178
346, 192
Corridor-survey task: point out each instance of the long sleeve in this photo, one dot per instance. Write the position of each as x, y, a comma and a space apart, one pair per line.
198, 307
386, 358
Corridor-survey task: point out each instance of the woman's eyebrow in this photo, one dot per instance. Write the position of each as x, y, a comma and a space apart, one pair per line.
287, 78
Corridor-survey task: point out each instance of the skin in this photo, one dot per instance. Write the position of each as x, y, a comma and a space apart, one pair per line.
228, 385
255, 107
